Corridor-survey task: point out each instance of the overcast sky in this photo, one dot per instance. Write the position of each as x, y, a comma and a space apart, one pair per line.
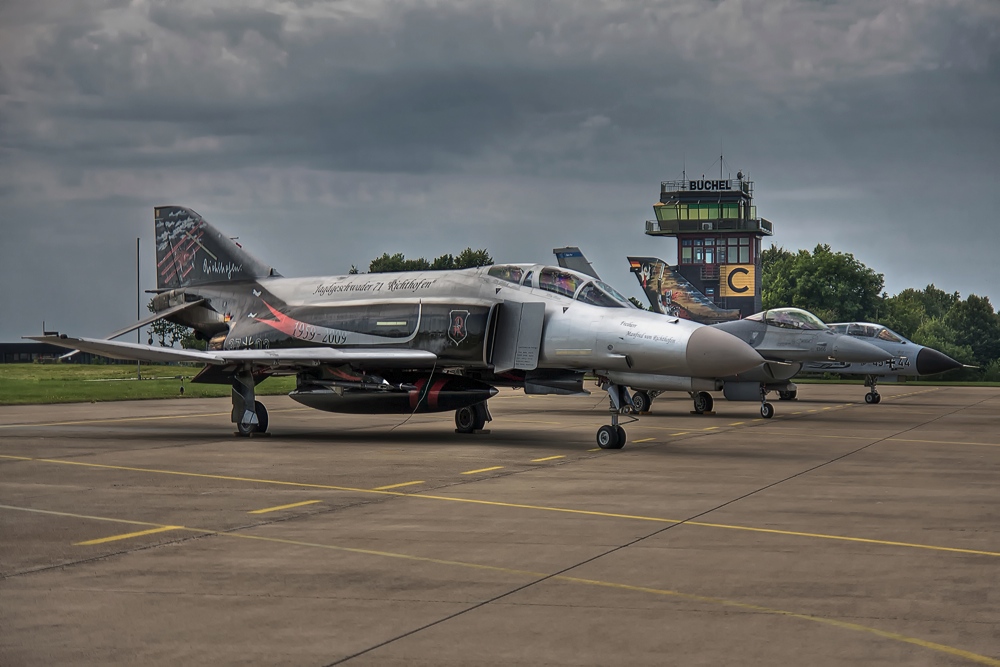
324, 134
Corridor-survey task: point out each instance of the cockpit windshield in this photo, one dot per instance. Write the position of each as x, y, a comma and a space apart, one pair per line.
868, 330
790, 318
561, 282
598, 293
506, 272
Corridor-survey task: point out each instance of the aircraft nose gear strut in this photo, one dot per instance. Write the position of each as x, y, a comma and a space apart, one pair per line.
766, 409
249, 414
872, 396
613, 436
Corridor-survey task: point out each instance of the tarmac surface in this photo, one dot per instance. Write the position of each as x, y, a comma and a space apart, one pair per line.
835, 533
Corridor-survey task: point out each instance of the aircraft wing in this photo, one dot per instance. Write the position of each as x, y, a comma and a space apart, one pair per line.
289, 357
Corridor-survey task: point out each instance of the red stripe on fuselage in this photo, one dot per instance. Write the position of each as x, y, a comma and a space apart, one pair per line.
435, 392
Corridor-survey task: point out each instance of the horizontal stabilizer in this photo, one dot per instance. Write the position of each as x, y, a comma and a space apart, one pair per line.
153, 318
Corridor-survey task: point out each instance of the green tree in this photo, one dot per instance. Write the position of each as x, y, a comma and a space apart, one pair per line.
936, 333
833, 285
975, 325
164, 331
466, 259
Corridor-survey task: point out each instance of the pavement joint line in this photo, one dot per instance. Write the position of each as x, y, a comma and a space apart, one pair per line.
558, 576
289, 506
560, 456
541, 508
398, 486
473, 472
126, 536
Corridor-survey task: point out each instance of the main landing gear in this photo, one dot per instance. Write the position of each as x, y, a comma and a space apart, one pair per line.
703, 402
472, 418
788, 395
612, 436
249, 414
872, 396
641, 401
766, 409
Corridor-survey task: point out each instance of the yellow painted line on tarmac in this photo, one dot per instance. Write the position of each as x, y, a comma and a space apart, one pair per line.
115, 538
473, 472
595, 449
797, 413
397, 486
737, 423
553, 458
645, 440
710, 428
278, 508
660, 592
680, 433
494, 503
112, 420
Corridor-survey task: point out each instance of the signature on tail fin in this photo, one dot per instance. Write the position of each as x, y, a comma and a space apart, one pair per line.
672, 294
189, 251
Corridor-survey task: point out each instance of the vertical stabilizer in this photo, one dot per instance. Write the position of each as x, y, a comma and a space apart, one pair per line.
671, 293
189, 251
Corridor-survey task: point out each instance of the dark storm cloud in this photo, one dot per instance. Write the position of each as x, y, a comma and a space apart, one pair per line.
420, 127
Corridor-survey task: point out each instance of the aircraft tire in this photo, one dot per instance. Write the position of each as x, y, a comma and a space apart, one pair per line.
245, 430
261, 411
766, 410
622, 438
878, 398
787, 395
641, 401
465, 419
870, 397
709, 401
480, 416
607, 437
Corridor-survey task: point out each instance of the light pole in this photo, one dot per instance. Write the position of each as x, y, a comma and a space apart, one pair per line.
138, 309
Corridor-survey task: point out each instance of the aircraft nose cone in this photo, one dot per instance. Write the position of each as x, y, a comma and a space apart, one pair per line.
715, 353
930, 361
856, 351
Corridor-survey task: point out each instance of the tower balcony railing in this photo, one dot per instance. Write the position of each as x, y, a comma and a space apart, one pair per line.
666, 227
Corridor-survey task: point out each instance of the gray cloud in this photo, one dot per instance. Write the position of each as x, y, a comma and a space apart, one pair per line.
328, 133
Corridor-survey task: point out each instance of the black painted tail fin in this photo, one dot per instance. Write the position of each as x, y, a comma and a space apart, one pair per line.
189, 251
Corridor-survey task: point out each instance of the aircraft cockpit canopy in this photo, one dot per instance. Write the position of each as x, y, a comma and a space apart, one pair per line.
564, 282
869, 330
790, 318
508, 272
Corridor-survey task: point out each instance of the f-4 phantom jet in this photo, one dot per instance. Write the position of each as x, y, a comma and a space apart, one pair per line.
908, 358
426, 341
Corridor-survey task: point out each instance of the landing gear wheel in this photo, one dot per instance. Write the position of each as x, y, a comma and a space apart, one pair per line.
481, 418
878, 398
703, 402
245, 430
261, 417
641, 401
607, 437
872, 397
766, 410
787, 395
621, 437
465, 419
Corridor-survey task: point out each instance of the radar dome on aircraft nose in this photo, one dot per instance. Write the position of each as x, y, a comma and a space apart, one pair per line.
852, 350
930, 361
715, 353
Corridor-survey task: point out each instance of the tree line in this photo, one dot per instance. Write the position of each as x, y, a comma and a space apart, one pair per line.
837, 287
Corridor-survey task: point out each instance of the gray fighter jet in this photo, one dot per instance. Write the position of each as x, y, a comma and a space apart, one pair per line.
784, 337
425, 341
908, 358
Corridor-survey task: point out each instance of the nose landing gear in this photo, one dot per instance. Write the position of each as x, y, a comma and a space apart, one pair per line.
612, 436
872, 396
766, 409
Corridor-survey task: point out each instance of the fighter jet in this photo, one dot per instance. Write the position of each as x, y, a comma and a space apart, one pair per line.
784, 337
908, 358
425, 341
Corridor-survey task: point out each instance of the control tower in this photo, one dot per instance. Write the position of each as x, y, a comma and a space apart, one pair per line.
718, 232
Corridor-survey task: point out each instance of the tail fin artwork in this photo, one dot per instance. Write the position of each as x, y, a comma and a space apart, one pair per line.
671, 293
189, 251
